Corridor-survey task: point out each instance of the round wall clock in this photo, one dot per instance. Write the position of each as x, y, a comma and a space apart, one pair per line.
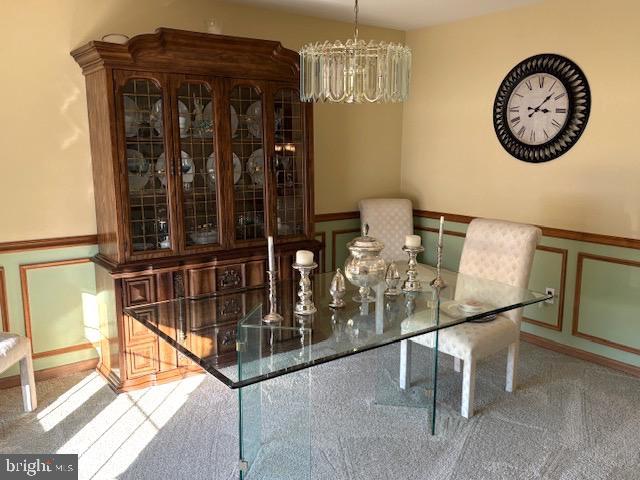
541, 108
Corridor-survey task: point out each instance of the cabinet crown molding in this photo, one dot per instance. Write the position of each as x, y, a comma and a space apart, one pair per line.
169, 50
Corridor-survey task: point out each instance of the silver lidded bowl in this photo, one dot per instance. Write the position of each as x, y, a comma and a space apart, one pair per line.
365, 268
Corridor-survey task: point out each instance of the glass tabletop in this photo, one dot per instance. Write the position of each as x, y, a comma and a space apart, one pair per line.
226, 334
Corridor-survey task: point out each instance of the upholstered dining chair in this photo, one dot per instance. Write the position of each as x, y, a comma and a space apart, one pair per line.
13, 349
389, 220
493, 250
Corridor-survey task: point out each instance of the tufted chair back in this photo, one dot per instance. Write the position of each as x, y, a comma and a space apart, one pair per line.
500, 251
389, 220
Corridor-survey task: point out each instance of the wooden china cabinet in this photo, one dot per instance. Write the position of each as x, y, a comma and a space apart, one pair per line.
200, 149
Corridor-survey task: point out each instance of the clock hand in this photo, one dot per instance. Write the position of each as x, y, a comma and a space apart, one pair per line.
537, 109
544, 101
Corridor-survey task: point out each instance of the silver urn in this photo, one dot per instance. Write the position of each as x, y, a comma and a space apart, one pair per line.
365, 268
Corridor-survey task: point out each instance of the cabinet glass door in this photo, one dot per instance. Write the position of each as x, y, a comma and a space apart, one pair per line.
248, 162
194, 115
289, 162
146, 165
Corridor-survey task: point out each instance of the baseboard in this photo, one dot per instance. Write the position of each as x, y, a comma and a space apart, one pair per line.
581, 354
54, 372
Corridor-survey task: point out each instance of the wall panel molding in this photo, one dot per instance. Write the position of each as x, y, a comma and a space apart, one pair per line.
4, 306
26, 308
575, 326
323, 250
48, 243
334, 234
561, 293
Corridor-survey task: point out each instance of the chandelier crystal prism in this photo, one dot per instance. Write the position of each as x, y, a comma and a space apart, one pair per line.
355, 71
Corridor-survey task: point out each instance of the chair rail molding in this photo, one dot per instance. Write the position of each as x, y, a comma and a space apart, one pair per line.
546, 231
47, 243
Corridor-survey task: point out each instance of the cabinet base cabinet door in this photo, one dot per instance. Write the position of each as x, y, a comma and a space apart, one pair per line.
142, 359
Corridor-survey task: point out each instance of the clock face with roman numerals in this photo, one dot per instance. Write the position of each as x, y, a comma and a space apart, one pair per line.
542, 108
538, 109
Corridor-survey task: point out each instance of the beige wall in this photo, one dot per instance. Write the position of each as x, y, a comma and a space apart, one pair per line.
46, 188
451, 158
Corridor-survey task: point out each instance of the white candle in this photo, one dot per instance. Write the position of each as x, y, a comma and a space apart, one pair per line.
412, 240
304, 257
272, 255
441, 231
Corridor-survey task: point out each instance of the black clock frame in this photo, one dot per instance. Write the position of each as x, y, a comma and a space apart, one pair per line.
574, 81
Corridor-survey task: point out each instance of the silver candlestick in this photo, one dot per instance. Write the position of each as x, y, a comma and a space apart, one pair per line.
392, 279
273, 316
305, 305
412, 284
337, 290
438, 282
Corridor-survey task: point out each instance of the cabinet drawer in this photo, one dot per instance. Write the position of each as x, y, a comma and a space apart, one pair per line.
230, 277
138, 291
142, 359
204, 281
255, 273
230, 307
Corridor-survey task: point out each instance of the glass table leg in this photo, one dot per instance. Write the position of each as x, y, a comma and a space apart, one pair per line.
274, 415
407, 373
275, 429
434, 387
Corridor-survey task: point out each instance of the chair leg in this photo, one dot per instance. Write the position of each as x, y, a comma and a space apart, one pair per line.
29, 396
405, 364
468, 387
457, 364
512, 366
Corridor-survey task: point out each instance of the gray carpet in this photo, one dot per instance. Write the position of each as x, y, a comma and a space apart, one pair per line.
569, 419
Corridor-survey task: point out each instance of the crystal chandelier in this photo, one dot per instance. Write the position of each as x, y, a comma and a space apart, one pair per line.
355, 71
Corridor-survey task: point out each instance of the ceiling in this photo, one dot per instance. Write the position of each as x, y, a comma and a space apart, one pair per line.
398, 14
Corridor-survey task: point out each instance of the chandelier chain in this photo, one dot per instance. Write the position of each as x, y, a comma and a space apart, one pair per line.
355, 28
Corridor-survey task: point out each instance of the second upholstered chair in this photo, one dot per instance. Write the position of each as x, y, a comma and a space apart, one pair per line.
389, 220
502, 252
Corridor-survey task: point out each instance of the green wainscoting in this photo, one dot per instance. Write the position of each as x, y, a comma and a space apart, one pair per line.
606, 283
57, 286
596, 309
336, 234
548, 271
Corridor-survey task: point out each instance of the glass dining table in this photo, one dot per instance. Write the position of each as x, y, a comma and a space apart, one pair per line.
269, 364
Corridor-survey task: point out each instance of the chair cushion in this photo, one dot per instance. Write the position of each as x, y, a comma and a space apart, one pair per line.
13, 348
471, 339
